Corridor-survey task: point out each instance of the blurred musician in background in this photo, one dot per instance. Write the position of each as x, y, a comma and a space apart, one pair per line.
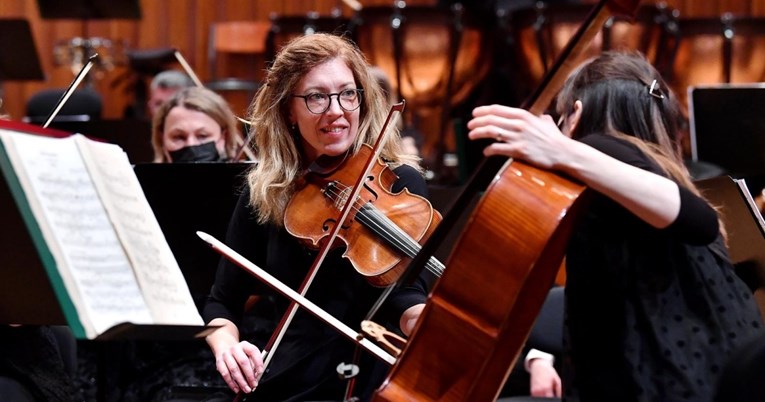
163, 86
194, 125
654, 308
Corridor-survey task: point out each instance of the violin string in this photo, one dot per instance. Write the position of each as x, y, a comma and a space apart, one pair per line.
412, 247
377, 225
378, 222
363, 211
403, 241
386, 228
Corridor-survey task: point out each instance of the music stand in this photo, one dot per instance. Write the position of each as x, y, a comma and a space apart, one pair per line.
89, 9
18, 57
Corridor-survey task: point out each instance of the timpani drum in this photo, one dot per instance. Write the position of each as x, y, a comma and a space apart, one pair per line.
541, 32
434, 58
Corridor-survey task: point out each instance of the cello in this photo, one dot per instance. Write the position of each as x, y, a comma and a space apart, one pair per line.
480, 312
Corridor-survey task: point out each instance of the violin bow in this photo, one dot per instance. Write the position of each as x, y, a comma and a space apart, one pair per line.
285, 290
72, 86
241, 143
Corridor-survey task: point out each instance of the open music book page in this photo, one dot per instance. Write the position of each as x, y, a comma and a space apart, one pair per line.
97, 237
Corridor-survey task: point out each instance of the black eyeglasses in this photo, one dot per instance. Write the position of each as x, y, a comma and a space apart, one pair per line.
318, 103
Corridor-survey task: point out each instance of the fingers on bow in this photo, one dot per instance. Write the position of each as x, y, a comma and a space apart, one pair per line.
240, 367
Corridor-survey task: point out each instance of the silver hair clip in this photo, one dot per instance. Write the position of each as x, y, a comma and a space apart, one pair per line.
655, 91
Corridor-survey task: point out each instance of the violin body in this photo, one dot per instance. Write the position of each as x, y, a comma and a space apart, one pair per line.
482, 309
314, 209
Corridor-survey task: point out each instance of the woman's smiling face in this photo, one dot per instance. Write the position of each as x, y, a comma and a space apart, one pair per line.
333, 131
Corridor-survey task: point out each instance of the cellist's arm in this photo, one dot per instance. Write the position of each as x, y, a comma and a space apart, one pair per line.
538, 140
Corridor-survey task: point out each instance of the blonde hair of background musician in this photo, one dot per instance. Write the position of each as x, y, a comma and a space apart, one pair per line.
200, 100
278, 145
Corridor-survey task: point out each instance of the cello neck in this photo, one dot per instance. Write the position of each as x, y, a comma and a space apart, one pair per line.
538, 102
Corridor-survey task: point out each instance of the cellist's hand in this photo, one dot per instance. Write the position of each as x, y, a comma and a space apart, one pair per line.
545, 381
520, 134
240, 363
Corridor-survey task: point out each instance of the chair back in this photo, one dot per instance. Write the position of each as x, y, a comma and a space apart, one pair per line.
236, 58
82, 105
235, 39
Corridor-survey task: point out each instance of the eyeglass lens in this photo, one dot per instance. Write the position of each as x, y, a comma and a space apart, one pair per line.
348, 99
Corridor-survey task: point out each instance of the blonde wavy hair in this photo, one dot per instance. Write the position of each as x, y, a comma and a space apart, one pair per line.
201, 100
278, 148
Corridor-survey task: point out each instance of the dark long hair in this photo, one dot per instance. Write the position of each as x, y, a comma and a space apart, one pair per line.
623, 95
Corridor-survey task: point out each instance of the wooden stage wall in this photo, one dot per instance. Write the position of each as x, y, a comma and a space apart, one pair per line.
183, 24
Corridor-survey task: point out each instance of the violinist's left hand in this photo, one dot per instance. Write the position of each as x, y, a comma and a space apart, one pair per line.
410, 317
520, 134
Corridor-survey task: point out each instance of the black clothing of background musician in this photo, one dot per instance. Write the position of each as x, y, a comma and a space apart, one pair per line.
33, 360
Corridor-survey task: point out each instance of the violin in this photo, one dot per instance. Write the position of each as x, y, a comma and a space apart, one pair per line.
383, 230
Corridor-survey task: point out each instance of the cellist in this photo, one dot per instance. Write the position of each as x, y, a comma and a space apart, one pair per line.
653, 305
319, 98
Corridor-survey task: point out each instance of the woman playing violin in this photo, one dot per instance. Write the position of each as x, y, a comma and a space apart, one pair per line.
319, 99
653, 305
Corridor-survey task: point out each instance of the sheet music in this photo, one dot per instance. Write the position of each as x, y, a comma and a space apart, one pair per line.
91, 261
155, 267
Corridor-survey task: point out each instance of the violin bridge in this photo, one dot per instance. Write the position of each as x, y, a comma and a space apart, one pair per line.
391, 342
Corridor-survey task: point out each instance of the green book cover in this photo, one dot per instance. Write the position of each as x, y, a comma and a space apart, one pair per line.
35, 233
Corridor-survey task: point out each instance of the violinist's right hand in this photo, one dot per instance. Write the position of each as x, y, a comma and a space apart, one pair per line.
240, 363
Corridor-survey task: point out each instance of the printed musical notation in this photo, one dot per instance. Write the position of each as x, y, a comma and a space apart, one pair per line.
98, 226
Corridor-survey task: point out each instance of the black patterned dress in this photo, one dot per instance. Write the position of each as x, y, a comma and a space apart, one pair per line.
651, 314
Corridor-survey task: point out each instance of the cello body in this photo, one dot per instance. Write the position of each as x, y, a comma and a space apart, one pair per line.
473, 327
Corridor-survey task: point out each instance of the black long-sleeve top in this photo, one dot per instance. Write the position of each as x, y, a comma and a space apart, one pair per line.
304, 366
